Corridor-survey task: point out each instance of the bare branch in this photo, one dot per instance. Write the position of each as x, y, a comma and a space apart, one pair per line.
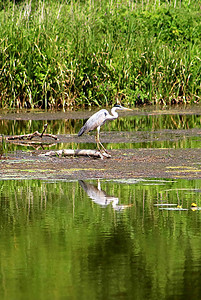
32, 135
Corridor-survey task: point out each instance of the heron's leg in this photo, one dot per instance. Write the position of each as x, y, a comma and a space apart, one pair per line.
98, 145
98, 140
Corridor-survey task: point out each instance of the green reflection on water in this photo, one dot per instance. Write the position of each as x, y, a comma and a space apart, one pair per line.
148, 122
143, 131
59, 242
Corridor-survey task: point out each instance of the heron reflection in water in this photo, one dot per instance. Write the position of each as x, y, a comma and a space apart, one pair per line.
100, 197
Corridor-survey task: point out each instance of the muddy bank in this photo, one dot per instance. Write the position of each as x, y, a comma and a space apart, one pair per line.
132, 163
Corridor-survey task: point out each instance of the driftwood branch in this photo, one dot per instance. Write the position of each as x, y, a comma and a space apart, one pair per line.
78, 152
32, 135
34, 144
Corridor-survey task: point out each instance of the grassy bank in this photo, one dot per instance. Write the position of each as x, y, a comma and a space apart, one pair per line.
71, 53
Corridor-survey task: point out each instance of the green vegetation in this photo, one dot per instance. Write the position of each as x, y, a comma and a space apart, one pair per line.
76, 53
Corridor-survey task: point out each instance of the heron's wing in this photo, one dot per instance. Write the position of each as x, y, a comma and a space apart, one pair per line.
97, 119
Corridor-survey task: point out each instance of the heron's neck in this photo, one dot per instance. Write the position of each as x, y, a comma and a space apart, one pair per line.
114, 113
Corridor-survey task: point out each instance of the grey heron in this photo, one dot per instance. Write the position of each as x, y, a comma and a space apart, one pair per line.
98, 119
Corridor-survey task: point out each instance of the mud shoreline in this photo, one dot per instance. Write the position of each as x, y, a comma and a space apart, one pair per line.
132, 163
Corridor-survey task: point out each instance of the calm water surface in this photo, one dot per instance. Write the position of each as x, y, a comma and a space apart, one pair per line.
100, 239
145, 130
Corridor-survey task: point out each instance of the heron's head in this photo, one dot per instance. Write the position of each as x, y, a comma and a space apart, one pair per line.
120, 107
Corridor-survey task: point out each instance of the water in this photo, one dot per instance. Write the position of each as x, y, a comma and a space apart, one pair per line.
100, 239
174, 129
115, 239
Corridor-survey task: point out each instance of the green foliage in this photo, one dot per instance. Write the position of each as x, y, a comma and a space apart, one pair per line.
97, 53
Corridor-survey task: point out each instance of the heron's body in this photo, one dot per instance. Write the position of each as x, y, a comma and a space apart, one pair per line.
98, 119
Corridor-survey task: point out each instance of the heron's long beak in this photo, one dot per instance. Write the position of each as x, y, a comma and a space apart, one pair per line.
125, 108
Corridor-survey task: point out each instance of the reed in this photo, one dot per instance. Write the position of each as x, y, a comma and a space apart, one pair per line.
83, 53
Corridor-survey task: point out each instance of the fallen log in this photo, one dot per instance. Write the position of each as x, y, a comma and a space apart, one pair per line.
77, 152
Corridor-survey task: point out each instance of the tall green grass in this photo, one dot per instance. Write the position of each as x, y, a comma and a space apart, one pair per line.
80, 53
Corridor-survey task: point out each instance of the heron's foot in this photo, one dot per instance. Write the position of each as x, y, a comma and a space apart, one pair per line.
108, 153
103, 148
104, 152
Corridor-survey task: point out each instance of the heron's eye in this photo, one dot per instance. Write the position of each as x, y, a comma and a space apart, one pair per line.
105, 114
